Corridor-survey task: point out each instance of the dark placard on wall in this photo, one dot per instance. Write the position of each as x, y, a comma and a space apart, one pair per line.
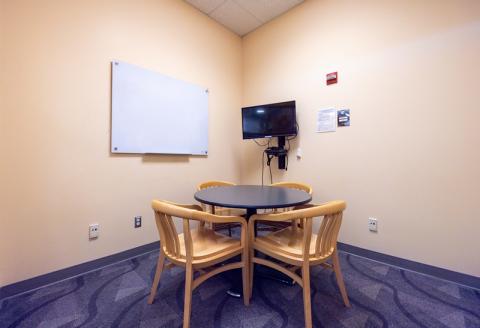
343, 117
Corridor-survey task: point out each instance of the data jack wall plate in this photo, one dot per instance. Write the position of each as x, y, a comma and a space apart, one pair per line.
373, 224
93, 230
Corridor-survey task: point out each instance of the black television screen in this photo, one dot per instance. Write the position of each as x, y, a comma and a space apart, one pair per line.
272, 120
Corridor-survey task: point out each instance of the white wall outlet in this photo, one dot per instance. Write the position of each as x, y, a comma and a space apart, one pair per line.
93, 230
299, 153
372, 224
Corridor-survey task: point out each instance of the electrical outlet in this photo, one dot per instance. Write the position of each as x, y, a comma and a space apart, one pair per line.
138, 222
372, 224
93, 230
299, 153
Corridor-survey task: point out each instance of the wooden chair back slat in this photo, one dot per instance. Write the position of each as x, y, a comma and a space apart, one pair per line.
320, 240
161, 231
328, 234
336, 231
188, 240
324, 234
307, 238
174, 234
168, 233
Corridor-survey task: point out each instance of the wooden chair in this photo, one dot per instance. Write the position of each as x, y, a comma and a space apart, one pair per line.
197, 249
294, 185
274, 226
299, 248
220, 210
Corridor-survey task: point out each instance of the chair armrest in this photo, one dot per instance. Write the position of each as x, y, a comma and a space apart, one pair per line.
301, 207
190, 207
212, 218
307, 211
193, 212
275, 217
193, 207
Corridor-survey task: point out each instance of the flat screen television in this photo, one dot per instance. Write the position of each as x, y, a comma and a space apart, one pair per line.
272, 120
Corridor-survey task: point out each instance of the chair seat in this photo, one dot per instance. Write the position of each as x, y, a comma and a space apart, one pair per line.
207, 244
287, 242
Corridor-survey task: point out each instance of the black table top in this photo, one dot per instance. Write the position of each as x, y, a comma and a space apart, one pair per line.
252, 197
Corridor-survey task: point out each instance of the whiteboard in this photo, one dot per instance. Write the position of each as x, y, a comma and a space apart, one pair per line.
157, 114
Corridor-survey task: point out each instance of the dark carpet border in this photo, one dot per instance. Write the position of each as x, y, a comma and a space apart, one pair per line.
52, 277
453, 276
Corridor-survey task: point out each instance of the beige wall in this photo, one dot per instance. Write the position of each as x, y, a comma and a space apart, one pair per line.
57, 172
409, 71
4, 255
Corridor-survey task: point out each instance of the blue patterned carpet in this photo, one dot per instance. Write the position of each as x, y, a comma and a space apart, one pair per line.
116, 296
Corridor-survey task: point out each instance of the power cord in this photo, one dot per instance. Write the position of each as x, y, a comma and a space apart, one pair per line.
288, 151
267, 145
269, 159
271, 179
263, 165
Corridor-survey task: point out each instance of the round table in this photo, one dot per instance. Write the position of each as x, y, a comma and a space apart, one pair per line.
252, 198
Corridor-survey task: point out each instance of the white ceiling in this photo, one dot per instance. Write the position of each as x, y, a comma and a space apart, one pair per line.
243, 16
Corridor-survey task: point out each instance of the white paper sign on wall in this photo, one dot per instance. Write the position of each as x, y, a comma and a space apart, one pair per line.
327, 120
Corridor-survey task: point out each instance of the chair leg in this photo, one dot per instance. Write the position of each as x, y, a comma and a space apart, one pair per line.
156, 279
251, 267
307, 305
229, 231
340, 282
245, 278
250, 272
294, 225
187, 308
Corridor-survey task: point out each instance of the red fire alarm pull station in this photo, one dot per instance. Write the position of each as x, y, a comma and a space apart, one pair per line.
332, 78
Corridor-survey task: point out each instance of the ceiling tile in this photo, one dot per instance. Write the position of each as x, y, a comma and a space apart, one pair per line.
243, 16
266, 10
207, 6
235, 17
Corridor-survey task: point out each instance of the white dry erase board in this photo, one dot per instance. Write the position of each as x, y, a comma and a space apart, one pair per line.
156, 114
